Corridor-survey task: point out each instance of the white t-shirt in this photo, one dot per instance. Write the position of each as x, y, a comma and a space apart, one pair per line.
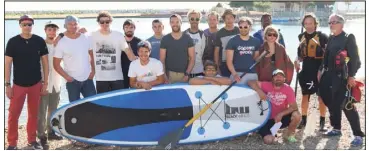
74, 53
146, 73
107, 50
199, 51
54, 77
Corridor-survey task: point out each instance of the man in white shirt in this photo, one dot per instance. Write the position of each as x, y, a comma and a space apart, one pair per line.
145, 72
199, 40
79, 70
107, 46
50, 101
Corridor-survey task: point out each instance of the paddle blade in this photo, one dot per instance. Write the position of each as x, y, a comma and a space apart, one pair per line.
170, 140
311, 124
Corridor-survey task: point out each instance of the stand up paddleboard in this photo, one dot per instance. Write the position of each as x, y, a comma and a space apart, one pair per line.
139, 117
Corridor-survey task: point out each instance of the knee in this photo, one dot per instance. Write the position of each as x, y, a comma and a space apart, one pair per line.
296, 116
269, 139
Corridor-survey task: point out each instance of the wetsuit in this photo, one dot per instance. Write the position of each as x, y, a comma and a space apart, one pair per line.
332, 87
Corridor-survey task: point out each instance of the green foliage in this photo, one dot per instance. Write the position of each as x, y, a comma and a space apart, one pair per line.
262, 5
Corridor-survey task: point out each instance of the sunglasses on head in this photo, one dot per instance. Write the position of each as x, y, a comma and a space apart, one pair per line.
272, 34
29, 24
104, 22
333, 22
243, 27
193, 19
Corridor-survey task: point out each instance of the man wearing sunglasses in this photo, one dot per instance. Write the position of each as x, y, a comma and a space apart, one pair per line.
210, 76
340, 64
198, 38
177, 52
107, 46
157, 27
25, 51
129, 28
241, 50
266, 20
223, 36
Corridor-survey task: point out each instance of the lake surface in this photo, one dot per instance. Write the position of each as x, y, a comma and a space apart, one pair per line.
290, 32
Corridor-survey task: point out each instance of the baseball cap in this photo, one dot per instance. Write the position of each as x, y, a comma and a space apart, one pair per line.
26, 17
277, 71
51, 23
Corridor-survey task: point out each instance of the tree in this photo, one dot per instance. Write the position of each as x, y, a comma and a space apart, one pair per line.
310, 6
262, 5
238, 4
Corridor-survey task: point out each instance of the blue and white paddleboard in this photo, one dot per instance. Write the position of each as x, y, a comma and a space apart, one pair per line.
140, 117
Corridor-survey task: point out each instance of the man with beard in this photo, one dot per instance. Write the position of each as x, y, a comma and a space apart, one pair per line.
157, 27
177, 52
107, 46
284, 107
223, 36
266, 20
129, 28
340, 65
241, 51
198, 38
210, 36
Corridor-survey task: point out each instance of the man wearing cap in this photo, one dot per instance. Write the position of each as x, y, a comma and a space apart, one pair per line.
79, 69
266, 20
223, 36
340, 65
50, 101
177, 52
129, 28
107, 46
157, 27
145, 72
241, 51
24, 52
284, 107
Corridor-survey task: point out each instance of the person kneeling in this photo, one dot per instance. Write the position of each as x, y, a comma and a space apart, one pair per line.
145, 72
210, 76
284, 108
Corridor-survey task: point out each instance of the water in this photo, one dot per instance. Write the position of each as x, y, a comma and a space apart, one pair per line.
290, 32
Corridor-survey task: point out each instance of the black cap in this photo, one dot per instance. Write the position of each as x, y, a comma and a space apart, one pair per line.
26, 17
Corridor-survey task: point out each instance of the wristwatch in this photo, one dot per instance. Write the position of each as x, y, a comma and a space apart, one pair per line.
186, 74
7, 84
61, 35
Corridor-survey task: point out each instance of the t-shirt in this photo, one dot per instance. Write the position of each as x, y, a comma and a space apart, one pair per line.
146, 73
243, 53
26, 55
176, 52
279, 99
155, 47
210, 45
133, 44
199, 51
74, 53
223, 37
107, 51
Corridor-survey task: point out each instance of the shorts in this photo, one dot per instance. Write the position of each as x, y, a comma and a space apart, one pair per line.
265, 130
308, 76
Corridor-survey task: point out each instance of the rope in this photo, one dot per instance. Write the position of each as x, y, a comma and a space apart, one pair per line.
213, 112
350, 99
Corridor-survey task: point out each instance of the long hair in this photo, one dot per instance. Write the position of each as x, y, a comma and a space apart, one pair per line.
269, 29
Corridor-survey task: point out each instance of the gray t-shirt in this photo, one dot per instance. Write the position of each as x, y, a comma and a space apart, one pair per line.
176, 52
244, 51
222, 39
155, 47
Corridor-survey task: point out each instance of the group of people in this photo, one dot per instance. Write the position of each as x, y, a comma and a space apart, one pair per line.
211, 56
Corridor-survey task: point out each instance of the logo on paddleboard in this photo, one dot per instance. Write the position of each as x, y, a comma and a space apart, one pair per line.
237, 112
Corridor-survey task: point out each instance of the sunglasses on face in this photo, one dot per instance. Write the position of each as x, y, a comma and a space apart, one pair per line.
272, 34
333, 22
24, 25
104, 22
243, 27
193, 19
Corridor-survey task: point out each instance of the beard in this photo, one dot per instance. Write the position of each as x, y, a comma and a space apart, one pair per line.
174, 30
128, 34
278, 83
244, 33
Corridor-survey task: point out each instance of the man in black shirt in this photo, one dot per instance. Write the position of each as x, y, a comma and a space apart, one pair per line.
129, 30
24, 52
338, 77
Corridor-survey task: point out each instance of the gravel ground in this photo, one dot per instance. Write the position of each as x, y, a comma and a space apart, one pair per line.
251, 141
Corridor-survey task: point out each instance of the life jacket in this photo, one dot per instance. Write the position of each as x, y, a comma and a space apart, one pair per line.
313, 49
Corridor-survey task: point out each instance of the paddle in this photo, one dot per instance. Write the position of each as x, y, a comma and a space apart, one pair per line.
170, 140
297, 72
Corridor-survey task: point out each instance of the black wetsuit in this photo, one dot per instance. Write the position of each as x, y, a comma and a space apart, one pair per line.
308, 76
332, 87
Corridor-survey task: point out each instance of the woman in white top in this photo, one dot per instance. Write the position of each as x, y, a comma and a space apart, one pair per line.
145, 72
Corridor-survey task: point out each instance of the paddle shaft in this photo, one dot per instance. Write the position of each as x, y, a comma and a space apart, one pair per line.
297, 75
221, 94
